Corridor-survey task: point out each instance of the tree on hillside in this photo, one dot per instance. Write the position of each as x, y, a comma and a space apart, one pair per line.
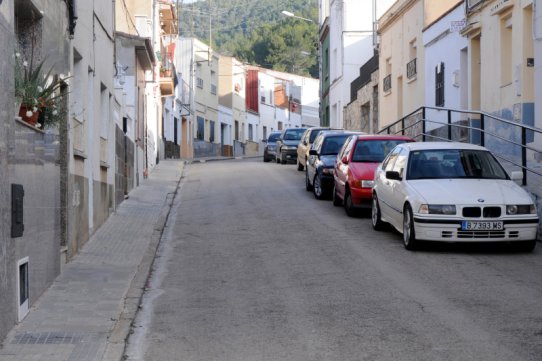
257, 33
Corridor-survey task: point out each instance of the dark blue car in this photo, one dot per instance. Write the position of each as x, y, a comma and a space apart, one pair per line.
322, 157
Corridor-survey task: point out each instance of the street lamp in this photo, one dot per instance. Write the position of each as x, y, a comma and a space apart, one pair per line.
292, 15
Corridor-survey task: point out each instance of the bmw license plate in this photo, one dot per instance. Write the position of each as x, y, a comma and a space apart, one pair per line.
481, 226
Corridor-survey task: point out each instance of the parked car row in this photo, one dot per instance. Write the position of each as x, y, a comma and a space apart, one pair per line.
427, 191
321, 161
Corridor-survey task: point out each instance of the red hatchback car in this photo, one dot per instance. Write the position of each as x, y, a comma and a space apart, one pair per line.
355, 168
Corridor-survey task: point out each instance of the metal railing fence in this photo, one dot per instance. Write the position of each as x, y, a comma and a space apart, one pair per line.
517, 145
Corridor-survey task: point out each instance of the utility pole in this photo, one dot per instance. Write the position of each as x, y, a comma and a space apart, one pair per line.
210, 37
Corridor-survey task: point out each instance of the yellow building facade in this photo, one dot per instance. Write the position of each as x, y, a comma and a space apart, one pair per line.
401, 63
501, 58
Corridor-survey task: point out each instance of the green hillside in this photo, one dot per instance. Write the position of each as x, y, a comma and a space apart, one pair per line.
256, 32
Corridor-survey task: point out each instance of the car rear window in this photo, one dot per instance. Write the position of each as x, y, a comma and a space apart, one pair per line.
294, 134
332, 144
374, 151
313, 135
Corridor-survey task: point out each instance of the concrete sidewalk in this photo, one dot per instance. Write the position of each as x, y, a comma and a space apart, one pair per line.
87, 312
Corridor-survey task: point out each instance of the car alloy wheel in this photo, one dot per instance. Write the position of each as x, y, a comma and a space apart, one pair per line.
409, 235
376, 219
317, 187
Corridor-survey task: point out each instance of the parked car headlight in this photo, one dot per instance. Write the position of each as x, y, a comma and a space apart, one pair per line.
513, 209
437, 209
271, 147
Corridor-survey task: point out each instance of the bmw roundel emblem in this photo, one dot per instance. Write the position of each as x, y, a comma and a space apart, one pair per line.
481, 200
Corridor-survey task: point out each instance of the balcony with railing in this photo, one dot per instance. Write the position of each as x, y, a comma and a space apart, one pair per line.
167, 68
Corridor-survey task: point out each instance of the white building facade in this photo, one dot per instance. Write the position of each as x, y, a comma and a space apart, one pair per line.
351, 44
446, 67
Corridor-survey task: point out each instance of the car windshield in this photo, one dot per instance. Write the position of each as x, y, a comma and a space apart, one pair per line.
294, 134
374, 151
454, 163
273, 137
332, 144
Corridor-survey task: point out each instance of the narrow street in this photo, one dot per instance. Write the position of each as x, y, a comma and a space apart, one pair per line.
252, 267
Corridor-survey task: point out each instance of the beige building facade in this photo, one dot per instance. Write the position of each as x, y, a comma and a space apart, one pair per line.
501, 58
401, 63
232, 96
199, 66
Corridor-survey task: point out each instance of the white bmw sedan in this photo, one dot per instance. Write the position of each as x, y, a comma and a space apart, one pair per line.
451, 192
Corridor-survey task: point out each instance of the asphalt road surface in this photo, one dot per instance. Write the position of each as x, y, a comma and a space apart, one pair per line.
253, 267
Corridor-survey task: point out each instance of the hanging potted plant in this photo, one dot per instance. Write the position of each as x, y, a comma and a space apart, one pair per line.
37, 92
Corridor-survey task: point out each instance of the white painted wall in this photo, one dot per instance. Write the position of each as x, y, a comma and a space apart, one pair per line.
443, 45
295, 120
225, 118
310, 99
351, 46
172, 110
254, 120
267, 119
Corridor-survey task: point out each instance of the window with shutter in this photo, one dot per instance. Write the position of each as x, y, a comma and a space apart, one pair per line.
439, 85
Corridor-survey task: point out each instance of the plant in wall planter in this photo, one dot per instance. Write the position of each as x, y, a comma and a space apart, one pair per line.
38, 92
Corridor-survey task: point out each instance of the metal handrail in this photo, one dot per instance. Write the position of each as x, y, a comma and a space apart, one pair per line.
481, 129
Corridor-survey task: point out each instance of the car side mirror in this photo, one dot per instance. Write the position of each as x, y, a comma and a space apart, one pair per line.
517, 176
313, 152
264, 140
344, 160
393, 175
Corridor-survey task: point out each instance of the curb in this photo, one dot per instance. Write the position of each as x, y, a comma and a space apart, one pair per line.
212, 159
121, 330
